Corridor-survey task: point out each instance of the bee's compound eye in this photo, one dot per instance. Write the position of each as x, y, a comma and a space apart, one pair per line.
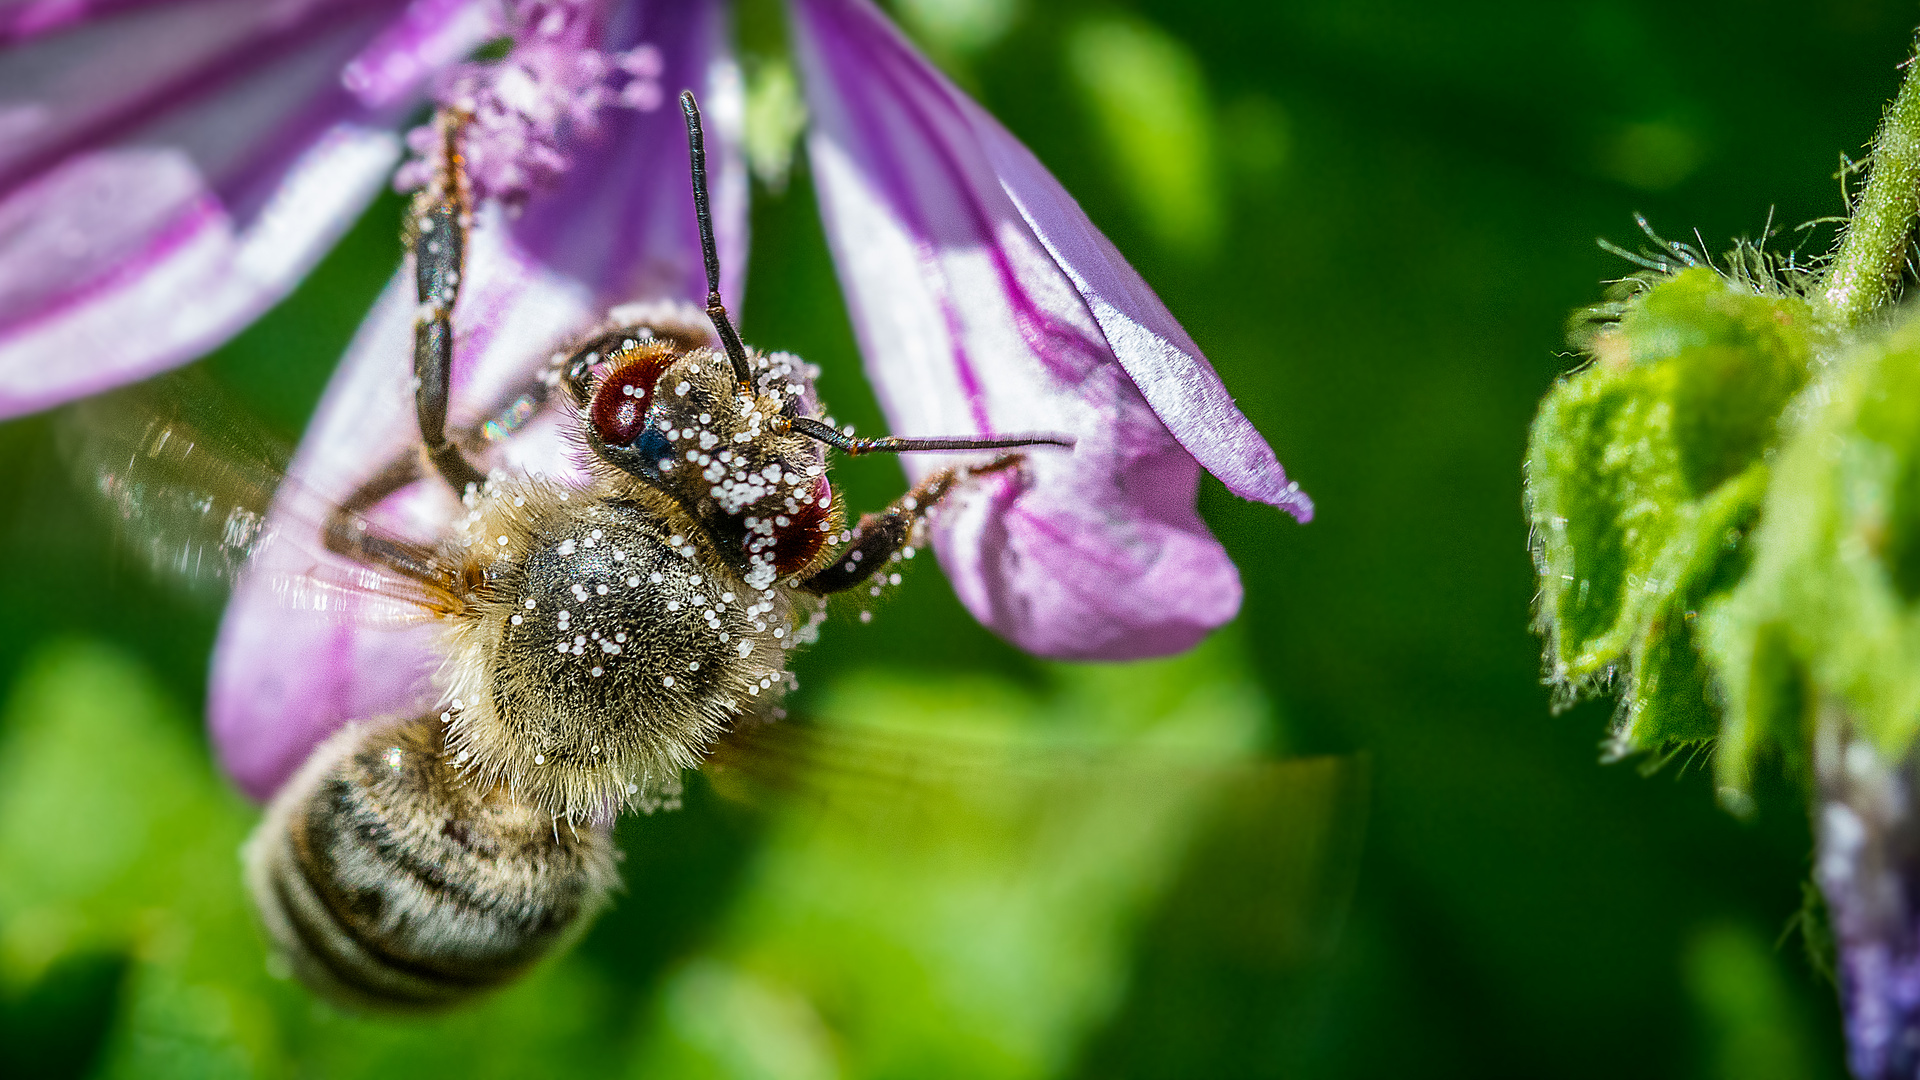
619, 410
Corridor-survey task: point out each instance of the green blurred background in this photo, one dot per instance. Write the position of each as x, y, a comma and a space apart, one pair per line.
1375, 216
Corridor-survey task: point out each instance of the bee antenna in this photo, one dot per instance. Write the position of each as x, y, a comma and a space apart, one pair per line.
891, 444
717, 311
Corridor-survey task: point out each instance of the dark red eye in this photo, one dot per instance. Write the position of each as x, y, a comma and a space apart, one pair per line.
800, 539
620, 402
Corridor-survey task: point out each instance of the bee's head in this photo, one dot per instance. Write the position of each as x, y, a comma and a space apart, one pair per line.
678, 419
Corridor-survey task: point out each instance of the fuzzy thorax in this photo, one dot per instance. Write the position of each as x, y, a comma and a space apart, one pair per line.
608, 648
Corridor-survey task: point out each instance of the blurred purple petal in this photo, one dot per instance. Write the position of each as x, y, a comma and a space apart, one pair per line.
170, 170
618, 227
986, 302
1867, 863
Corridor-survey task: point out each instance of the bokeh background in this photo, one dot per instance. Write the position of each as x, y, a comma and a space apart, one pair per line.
1374, 215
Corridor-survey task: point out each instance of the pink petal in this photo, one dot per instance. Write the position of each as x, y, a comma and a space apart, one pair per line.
167, 172
986, 302
284, 678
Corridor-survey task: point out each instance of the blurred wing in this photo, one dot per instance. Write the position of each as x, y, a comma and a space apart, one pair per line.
1274, 844
188, 479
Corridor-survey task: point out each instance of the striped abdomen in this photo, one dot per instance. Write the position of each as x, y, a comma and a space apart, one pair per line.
388, 881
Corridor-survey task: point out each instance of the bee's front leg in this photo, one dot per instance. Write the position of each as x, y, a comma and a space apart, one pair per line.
437, 234
878, 537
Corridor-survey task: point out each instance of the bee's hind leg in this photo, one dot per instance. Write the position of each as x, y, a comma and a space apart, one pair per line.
879, 537
437, 234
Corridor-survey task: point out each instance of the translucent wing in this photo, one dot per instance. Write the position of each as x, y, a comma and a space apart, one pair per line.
1276, 841
188, 479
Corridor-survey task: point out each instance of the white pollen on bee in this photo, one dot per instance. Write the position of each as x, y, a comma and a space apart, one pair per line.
673, 605
724, 637
562, 647
563, 496
594, 749
502, 541
693, 665
655, 578
866, 616
726, 598
515, 620
875, 590
779, 631
539, 759
619, 556
893, 579
667, 682
813, 470
519, 500
602, 589
681, 390
579, 639
565, 615
566, 547
621, 637
529, 603
906, 552
633, 789
741, 436
633, 581
694, 580
597, 534
706, 418
458, 704
746, 648
447, 717
597, 671
693, 369
759, 625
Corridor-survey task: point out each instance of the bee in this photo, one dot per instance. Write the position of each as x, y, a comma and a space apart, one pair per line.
599, 637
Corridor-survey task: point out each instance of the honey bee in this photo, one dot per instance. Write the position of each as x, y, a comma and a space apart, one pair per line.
599, 637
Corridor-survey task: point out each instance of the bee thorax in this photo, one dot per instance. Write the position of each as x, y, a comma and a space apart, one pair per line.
610, 652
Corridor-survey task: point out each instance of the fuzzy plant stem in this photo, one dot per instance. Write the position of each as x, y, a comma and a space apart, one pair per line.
1865, 272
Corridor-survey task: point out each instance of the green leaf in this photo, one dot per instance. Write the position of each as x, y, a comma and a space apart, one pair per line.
1831, 606
1645, 472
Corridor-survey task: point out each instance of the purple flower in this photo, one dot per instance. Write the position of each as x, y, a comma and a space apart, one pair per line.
169, 170
987, 302
1868, 868
185, 202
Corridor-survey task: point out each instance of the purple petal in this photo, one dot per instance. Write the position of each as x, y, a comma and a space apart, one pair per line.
986, 302
622, 220
169, 171
1866, 840
284, 678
